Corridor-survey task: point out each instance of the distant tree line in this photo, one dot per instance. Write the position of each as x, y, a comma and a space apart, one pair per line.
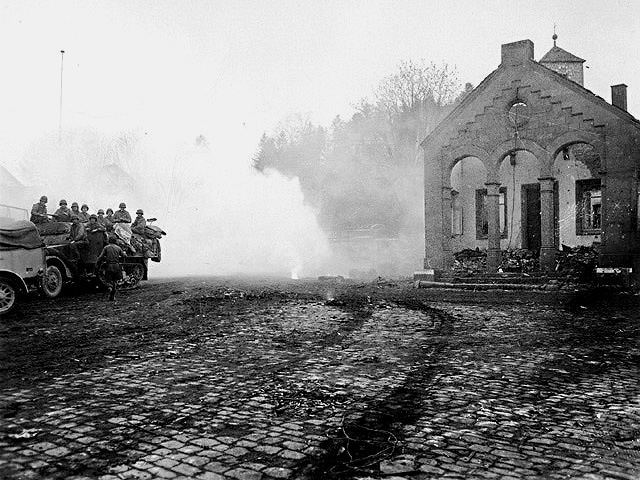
367, 170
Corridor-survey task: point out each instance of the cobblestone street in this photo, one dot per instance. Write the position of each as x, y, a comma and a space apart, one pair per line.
214, 379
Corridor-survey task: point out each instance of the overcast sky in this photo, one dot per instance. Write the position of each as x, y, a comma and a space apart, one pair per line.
232, 69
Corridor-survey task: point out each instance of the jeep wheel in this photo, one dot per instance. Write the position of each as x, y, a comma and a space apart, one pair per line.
8, 296
52, 282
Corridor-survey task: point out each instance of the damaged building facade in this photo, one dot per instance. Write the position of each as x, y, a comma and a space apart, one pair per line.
532, 159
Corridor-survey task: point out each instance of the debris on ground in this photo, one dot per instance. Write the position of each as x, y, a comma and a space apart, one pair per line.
580, 261
519, 260
468, 261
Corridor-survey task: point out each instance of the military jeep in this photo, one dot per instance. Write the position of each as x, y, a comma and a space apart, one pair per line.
23, 267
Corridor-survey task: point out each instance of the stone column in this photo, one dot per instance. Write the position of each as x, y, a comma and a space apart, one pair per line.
447, 256
547, 227
494, 254
433, 210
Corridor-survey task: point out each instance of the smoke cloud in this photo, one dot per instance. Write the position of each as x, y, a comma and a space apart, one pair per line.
221, 215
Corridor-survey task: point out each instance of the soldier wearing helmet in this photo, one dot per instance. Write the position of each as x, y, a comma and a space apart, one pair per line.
84, 213
108, 219
100, 218
139, 223
78, 246
39, 211
62, 214
75, 210
97, 238
111, 257
122, 216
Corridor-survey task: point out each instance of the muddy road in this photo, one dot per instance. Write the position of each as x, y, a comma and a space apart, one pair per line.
262, 378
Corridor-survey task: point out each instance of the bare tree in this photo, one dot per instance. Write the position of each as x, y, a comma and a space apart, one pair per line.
414, 99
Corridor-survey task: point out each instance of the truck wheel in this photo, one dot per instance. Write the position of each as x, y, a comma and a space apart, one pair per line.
8, 296
52, 282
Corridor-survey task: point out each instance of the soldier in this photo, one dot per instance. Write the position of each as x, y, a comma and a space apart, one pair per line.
75, 209
62, 214
139, 223
100, 218
109, 220
84, 213
78, 232
122, 216
111, 256
96, 237
39, 211
78, 237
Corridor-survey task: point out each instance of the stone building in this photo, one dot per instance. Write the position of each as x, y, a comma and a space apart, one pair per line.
532, 159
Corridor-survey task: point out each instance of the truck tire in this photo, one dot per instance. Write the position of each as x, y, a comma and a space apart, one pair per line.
52, 282
8, 296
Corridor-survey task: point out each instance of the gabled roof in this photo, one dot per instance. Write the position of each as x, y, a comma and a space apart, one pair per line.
558, 55
7, 179
461, 106
557, 76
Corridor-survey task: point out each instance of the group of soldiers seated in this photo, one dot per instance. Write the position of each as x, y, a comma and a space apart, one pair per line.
92, 227
80, 216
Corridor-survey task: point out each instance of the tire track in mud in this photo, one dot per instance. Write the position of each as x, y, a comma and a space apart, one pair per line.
376, 433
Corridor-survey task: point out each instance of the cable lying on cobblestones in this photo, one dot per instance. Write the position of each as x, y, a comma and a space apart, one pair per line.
358, 447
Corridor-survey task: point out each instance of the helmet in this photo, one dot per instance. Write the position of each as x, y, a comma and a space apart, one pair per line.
74, 204
139, 211
100, 211
74, 217
84, 205
93, 215
63, 202
109, 210
122, 205
44, 199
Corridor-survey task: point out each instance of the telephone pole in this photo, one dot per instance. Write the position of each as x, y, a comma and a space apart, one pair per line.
61, 70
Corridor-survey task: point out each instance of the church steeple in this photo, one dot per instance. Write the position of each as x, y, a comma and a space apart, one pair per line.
563, 62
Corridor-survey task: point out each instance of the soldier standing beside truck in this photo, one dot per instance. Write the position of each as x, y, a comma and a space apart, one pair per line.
78, 237
96, 236
111, 256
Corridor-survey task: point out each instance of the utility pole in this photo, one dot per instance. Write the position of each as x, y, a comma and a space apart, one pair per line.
61, 70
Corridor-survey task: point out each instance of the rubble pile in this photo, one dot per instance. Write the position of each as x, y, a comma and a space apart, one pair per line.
468, 261
519, 260
580, 261
573, 261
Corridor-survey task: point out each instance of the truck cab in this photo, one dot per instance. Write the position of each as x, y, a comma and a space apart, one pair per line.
23, 266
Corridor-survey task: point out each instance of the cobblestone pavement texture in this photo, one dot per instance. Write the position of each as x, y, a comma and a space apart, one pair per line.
225, 379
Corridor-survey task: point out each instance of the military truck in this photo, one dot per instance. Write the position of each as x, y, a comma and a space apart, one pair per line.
23, 265
76, 263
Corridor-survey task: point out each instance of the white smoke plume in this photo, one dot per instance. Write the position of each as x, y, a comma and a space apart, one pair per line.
221, 215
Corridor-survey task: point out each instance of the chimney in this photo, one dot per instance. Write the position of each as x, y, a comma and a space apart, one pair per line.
619, 96
517, 53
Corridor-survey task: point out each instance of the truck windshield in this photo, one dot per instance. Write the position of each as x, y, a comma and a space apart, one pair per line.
14, 213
